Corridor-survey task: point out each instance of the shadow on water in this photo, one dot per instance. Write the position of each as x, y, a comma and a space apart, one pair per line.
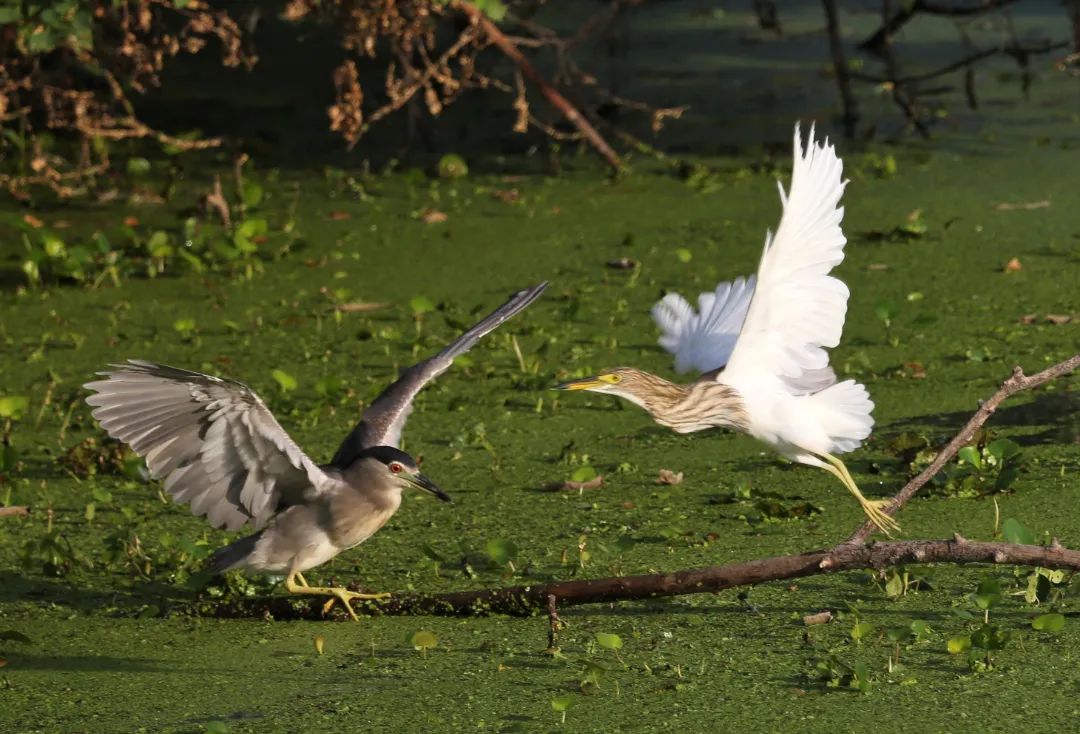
1056, 414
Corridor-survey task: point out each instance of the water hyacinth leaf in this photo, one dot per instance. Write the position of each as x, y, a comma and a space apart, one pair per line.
1002, 450
609, 641
421, 305
1013, 532
583, 474
894, 587
959, 644
861, 630
248, 233
989, 637
158, 244
562, 703
501, 551
970, 455
1006, 477
1049, 622
284, 380
684, 255
252, 195
138, 166
921, 630
102, 495
452, 165
898, 634
423, 640
988, 594
13, 406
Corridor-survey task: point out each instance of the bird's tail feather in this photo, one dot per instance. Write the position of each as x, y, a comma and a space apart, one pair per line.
233, 555
844, 411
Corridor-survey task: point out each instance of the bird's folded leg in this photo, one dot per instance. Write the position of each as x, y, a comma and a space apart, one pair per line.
336, 593
872, 508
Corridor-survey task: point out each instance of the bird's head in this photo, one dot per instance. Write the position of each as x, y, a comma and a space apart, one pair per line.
395, 468
625, 382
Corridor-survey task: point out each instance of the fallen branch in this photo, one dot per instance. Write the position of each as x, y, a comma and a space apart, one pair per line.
559, 102
541, 598
1018, 382
15, 511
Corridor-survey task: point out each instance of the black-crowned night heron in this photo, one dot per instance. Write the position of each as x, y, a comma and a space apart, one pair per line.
221, 451
761, 346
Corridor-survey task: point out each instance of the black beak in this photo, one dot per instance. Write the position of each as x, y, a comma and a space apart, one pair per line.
420, 481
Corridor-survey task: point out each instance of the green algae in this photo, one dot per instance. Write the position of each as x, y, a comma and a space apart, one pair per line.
121, 641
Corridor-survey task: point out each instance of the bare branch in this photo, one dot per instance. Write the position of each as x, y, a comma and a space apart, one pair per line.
543, 597
907, 11
1018, 382
559, 102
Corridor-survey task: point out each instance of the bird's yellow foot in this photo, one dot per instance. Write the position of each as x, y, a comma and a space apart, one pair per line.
881, 520
336, 593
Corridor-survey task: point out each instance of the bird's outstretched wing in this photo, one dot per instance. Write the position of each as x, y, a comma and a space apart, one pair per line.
702, 340
220, 448
798, 309
383, 421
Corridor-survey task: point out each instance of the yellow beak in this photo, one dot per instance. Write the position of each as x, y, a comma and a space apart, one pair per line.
586, 383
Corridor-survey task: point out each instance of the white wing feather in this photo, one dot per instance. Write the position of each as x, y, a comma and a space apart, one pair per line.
797, 309
702, 340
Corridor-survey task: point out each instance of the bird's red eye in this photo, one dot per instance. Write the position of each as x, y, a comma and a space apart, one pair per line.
395, 467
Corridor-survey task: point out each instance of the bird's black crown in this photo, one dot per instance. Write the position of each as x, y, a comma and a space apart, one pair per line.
387, 454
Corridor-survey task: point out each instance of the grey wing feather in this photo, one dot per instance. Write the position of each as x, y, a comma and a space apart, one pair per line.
383, 421
219, 448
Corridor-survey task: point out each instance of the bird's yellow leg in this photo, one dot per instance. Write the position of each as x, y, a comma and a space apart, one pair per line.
337, 593
872, 508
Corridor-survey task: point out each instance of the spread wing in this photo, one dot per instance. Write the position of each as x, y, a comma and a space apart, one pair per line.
798, 309
702, 340
216, 443
383, 421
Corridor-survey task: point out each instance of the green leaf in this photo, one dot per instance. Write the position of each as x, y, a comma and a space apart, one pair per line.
684, 255
1049, 623
989, 637
423, 640
898, 634
861, 630
1002, 450
158, 244
894, 587
1006, 477
248, 231
286, 381
185, 325
54, 246
583, 474
562, 703
102, 495
501, 551
252, 194
494, 9
988, 594
452, 165
886, 311
421, 305
970, 455
138, 166
1013, 532
12, 406
608, 641
959, 644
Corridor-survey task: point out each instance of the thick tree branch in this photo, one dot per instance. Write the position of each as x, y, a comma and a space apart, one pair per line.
539, 598
1018, 382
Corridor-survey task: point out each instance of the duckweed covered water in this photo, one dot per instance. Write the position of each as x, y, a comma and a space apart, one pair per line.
107, 625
